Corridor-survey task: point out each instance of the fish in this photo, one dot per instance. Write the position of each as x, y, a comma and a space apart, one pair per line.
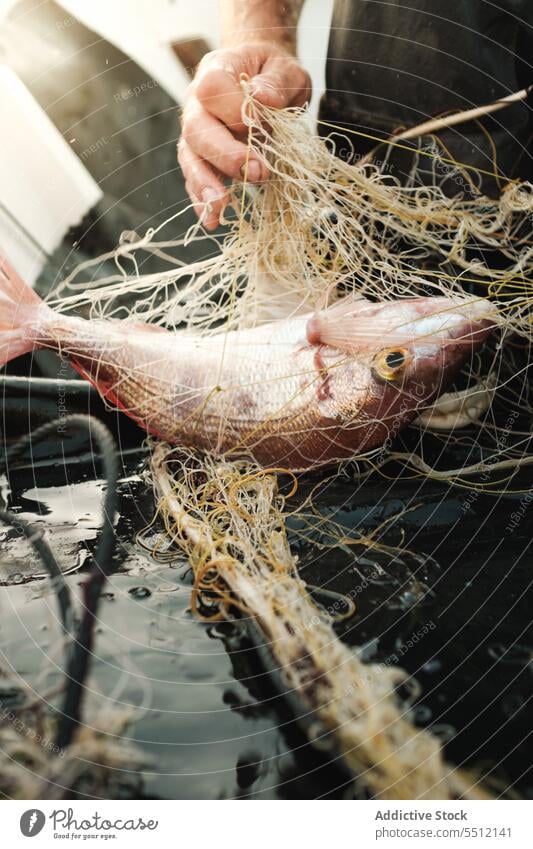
296, 394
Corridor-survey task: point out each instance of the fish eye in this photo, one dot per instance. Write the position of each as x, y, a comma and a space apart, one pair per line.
395, 359
390, 363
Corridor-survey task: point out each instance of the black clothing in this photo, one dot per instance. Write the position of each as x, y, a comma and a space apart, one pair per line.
395, 64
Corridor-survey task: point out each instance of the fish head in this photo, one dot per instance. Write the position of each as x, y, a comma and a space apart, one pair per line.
409, 351
424, 342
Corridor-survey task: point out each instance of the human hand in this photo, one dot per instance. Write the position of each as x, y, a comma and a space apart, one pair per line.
213, 145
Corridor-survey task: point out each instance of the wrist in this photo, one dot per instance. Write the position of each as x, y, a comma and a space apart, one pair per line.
262, 42
265, 22
264, 38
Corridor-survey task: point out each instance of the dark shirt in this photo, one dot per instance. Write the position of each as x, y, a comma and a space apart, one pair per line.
394, 64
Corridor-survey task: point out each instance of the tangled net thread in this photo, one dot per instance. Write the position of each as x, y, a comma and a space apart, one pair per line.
319, 227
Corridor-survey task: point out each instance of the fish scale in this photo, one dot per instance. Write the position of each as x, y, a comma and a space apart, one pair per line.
278, 393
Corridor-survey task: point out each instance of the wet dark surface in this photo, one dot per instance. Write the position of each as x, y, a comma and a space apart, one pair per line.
451, 607
204, 712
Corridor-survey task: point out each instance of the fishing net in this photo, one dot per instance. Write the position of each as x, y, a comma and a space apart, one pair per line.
229, 519
33, 767
321, 228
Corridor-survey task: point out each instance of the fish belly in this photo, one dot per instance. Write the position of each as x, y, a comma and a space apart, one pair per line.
267, 397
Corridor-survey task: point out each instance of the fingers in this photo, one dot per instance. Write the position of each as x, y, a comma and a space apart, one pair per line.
217, 87
277, 81
282, 83
211, 147
208, 152
203, 185
214, 143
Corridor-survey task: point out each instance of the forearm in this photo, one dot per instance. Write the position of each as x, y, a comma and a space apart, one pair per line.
245, 21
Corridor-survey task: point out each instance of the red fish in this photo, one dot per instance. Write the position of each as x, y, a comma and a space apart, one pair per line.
298, 393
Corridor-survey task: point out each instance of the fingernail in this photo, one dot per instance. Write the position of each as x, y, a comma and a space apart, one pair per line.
252, 171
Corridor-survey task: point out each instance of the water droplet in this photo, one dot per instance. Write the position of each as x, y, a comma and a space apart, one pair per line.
422, 713
433, 665
443, 731
16, 578
140, 592
368, 651
515, 655
408, 598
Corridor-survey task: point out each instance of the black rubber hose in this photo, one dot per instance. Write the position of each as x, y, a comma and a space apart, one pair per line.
107, 448
35, 538
81, 648
79, 661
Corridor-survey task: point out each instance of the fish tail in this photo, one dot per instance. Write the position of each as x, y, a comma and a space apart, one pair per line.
18, 307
